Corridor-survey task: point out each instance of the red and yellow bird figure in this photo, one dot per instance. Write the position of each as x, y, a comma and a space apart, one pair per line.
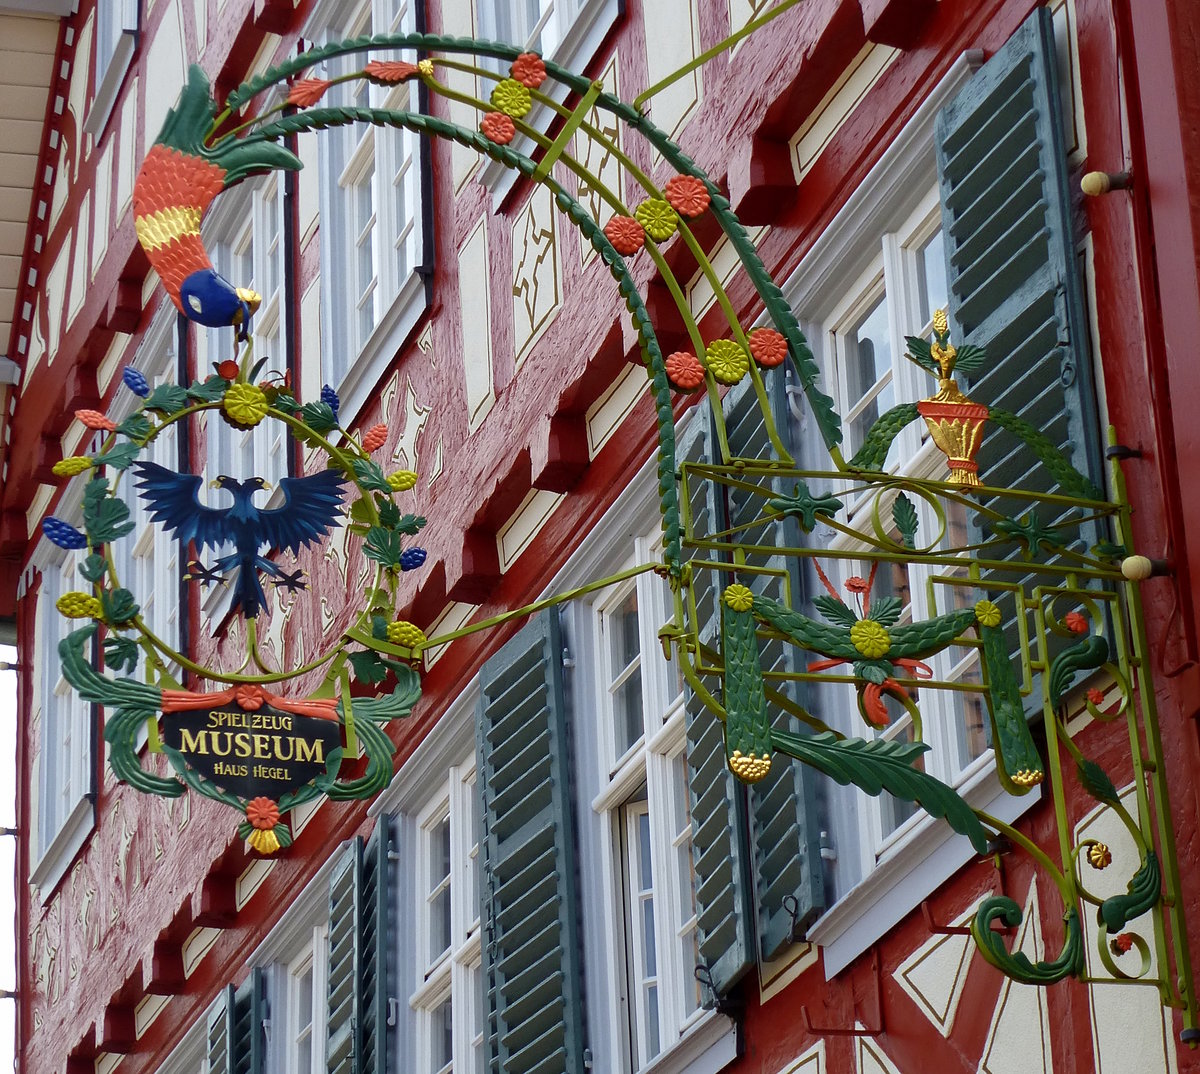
177, 183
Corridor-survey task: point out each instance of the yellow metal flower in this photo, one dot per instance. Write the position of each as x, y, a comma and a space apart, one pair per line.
405, 633
941, 323
1099, 856
76, 605
246, 404
76, 464
658, 218
870, 639
402, 480
512, 98
425, 68
264, 841
987, 613
727, 360
739, 598
749, 767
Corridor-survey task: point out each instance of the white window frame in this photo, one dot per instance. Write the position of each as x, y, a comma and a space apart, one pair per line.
61, 826
355, 357
147, 560
117, 26
288, 1017
451, 975
574, 30
849, 248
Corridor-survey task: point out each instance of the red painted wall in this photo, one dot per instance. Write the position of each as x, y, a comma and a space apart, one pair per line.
162, 883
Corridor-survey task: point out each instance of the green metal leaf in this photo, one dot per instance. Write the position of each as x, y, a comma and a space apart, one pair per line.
384, 546
318, 417
369, 474
389, 513
1096, 782
360, 511
1143, 892
874, 450
803, 506
884, 765
885, 610
104, 518
121, 654
904, 514
168, 398
1085, 656
136, 427
970, 358
208, 391
119, 457
919, 351
411, 524
834, 610
93, 567
1017, 964
368, 667
119, 606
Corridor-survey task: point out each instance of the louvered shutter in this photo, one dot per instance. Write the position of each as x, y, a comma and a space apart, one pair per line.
376, 973
1014, 279
361, 966
785, 807
1012, 268
532, 971
720, 856
236, 1038
340, 1028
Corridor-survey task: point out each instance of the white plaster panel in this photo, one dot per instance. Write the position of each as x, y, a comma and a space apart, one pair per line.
672, 40
870, 1058
201, 9
55, 297
310, 341
166, 69
458, 21
605, 415
102, 189
537, 275
600, 161
130, 157
79, 262
308, 185
62, 186
811, 1062
519, 531
1129, 1031
935, 973
475, 311
81, 83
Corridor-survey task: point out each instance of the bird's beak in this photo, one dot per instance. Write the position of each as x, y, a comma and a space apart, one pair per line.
252, 298
214, 484
266, 484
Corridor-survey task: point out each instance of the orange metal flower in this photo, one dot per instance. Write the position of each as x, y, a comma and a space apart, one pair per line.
1075, 623
262, 813
685, 371
626, 235
1122, 943
249, 696
374, 438
93, 419
390, 70
529, 69
688, 195
768, 347
857, 584
228, 369
307, 91
498, 127
1096, 697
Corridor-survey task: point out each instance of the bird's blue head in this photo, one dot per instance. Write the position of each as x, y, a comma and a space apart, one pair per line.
241, 491
209, 299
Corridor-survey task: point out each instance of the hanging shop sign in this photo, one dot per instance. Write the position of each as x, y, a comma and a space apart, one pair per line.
1025, 586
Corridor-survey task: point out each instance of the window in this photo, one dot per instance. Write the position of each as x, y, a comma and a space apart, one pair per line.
246, 245
117, 26
372, 245
637, 702
446, 999
147, 560
65, 761
538, 25
302, 1041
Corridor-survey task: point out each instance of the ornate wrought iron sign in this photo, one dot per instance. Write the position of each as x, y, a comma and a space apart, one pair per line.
1069, 612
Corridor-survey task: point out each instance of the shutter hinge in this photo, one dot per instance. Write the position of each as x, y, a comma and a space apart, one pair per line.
393, 855
393, 1018
828, 852
266, 1026
587, 1058
568, 661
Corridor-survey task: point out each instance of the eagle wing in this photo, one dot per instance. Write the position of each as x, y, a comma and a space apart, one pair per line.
309, 510
172, 500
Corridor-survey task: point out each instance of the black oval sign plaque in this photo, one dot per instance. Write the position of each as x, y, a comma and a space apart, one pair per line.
251, 753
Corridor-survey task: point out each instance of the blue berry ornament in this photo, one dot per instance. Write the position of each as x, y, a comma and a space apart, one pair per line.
412, 558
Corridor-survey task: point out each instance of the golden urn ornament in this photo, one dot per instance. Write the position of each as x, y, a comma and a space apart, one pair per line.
955, 421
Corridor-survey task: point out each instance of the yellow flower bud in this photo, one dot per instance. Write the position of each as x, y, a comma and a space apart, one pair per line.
402, 480
76, 464
405, 633
76, 605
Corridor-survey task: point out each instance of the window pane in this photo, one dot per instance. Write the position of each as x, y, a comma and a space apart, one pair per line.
868, 357
625, 652
439, 898
931, 279
442, 1038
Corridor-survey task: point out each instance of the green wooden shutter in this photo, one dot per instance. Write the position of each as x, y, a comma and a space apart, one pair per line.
1014, 278
720, 855
785, 807
532, 967
376, 973
1012, 268
236, 1039
340, 1027
361, 971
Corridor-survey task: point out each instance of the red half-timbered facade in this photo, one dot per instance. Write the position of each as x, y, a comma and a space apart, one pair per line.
450, 300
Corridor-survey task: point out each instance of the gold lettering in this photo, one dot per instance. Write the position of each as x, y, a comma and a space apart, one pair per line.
310, 751
242, 744
291, 748
215, 738
262, 747
189, 743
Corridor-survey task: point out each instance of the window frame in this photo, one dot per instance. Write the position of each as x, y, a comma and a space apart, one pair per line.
113, 57
399, 293
845, 251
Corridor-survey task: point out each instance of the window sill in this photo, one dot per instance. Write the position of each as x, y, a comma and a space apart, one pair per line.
63, 848
914, 869
360, 383
110, 85
708, 1045
574, 53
